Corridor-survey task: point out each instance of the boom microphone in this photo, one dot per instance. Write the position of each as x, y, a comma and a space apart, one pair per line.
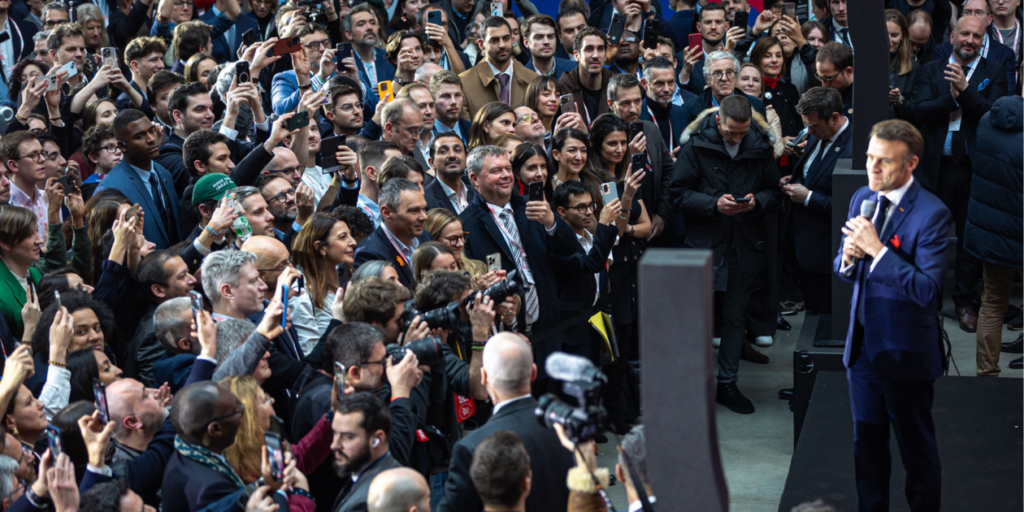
867, 210
566, 367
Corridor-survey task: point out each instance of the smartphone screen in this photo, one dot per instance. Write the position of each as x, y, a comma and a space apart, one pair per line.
275, 453
339, 378
284, 302
741, 199
56, 298
537, 191
100, 394
55, 440
197, 306
616, 28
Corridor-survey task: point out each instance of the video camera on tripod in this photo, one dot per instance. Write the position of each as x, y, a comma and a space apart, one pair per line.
583, 381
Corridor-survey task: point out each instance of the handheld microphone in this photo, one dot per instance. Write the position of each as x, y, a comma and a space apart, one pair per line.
566, 367
867, 210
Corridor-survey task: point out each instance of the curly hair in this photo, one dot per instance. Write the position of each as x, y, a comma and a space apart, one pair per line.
92, 142
15, 78
244, 455
73, 301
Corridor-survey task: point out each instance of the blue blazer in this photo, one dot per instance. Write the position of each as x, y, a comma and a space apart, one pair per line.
561, 66
903, 293
284, 92
174, 370
683, 24
997, 52
436, 197
812, 224
385, 72
464, 125
376, 246
223, 49
485, 238
676, 115
125, 180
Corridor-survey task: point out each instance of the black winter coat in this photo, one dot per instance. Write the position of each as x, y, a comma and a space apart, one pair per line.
995, 227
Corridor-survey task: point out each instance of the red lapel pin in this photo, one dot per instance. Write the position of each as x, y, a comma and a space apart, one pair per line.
895, 241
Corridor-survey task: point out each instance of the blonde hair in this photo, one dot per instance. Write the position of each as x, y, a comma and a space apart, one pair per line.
437, 220
90, 12
245, 455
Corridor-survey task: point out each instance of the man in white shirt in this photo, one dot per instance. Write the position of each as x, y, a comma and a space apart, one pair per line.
25, 158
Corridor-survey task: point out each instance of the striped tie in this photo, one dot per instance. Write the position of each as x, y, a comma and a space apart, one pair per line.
532, 303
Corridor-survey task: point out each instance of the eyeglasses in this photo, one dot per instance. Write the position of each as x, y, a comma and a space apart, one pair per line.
54, 23
381, 362
583, 208
282, 197
457, 239
323, 43
527, 118
288, 170
113, 149
182, 3
729, 74
975, 12
38, 156
629, 39
414, 131
350, 107
238, 412
824, 79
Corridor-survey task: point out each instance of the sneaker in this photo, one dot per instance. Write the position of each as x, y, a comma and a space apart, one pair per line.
788, 307
763, 341
729, 395
716, 342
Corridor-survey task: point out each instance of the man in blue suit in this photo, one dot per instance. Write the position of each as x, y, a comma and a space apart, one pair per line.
991, 50
541, 38
893, 346
225, 46
360, 27
143, 181
403, 212
810, 190
288, 87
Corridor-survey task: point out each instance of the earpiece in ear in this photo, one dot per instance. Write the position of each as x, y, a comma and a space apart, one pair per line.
375, 443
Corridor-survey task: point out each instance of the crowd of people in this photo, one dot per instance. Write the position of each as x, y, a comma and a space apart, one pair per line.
262, 255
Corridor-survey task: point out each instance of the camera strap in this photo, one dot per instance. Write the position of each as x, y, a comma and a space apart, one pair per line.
638, 485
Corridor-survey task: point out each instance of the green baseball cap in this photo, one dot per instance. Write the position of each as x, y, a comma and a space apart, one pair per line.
211, 186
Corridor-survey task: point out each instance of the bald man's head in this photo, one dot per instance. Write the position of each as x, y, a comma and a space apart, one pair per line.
133, 408
508, 365
398, 490
270, 254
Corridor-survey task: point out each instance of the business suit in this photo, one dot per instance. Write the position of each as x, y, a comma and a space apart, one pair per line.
950, 177
578, 289
893, 348
436, 198
682, 23
485, 238
385, 72
225, 50
812, 223
464, 126
189, 485
549, 461
480, 86
126, 180
376, 246
997, 53
353, 499
561, 66
676, 120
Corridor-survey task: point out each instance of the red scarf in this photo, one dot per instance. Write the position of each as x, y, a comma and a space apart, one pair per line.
771, 82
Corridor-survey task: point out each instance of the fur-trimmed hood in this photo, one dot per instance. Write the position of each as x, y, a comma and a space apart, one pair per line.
758, 122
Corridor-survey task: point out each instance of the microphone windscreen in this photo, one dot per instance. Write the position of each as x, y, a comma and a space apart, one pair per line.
867, 208
566, 367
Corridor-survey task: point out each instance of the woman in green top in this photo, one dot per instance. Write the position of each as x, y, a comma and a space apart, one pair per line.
20, 248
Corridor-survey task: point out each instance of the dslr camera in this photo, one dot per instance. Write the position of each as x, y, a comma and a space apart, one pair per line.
427, 350
444, 317
582, 381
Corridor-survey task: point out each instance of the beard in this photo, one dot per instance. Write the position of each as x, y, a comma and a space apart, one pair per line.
284, 216
966, 54
355, 463
452, 175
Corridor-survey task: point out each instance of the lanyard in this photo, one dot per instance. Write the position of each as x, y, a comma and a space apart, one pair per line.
670, 132
527, 276
394, 243
1016, 35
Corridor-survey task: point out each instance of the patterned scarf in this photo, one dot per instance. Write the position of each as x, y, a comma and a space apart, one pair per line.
207, 458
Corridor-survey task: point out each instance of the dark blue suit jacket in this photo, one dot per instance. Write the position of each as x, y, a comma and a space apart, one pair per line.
385, 72
812, 224
125, 180
903, 292
682, 23
465, 126
190, 486
224, 50
577, 286
376, 246
997, 53
935, 104
561, 66
174, 370
485, 238
676, 115
436, 197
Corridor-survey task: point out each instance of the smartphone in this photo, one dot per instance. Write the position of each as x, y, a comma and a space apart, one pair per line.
802, 136
434, 17
69, 68
51, 82
100, 394
55, 440
299, 120
636, 127
276, 425
109, 57
242, 72
567, 104
497, 9
249, 37
328, 149
56, 299
537, 191
609, 192
639, 161
343, 276
740, 19
300, 284
67, 182
339, 378
789, 9
132, 212
284, 303
197, 306
285, 46
344, 50
696, 41
384, 92
616, 28
275, 453
741, 199
650, 35
494, 262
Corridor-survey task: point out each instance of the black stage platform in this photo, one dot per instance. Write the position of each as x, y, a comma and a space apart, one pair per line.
978, 422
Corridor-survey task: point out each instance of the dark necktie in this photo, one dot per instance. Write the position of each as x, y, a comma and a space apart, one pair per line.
162, 203
959, 142
844, 34
879, 222
504, 93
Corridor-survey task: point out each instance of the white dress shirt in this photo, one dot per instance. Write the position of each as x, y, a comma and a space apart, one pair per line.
894, 196
818, 149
